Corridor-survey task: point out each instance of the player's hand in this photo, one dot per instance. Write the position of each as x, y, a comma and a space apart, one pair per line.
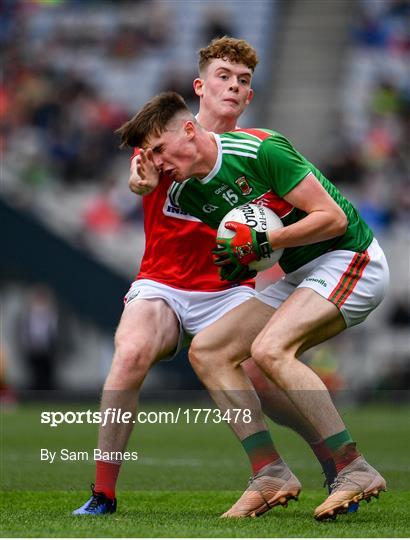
236, 272
144, 176
245, 247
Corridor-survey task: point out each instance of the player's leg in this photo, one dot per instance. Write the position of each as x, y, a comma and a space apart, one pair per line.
278, 407
291, 330
272, 483
240, 392
212, 348
297, 326
305, 320
275, 403
148, 331
336, 290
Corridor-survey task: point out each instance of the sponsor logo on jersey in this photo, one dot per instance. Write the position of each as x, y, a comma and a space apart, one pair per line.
221, 189
172, 210
243, 185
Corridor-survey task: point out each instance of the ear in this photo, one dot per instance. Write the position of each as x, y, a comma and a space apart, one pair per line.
189, 129
198, 86
250, 96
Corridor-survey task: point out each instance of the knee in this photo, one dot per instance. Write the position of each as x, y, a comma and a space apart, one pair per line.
269, 357
131, 362
198, 355
210, 359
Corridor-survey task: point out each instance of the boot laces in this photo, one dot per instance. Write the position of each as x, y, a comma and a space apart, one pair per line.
340, 480
97, 498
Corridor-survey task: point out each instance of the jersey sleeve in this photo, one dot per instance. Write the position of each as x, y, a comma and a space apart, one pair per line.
283, 167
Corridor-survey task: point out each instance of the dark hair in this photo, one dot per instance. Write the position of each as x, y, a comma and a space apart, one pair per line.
235, 50
151, 119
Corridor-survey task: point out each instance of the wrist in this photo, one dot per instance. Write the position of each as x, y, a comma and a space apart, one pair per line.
264, 247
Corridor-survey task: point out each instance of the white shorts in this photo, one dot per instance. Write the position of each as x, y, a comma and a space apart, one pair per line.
194, 310
355, 282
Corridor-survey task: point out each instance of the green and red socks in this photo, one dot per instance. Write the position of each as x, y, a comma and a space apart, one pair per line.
342, 448
325, 458
260, 449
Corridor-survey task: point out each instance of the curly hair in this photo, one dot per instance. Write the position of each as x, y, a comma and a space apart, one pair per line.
235, 50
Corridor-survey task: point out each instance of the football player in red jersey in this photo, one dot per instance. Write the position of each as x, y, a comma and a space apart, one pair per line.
178, 290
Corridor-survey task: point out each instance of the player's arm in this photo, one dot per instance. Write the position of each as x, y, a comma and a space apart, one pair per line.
144, 176
289, 176
324, 220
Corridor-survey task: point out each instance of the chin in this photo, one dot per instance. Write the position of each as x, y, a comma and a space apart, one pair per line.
229, 112
229, 108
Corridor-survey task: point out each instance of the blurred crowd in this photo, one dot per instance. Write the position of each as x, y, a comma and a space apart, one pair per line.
58, 115
58, 120
73, 73
371, 151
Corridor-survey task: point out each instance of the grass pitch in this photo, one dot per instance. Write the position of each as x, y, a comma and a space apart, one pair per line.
186, 476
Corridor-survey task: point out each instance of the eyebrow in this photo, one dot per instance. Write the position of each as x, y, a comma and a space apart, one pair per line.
156, 147
222, 68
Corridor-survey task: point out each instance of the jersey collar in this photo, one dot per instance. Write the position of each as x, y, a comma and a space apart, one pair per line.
218, 161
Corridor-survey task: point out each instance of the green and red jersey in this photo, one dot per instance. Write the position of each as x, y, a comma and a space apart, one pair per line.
261, 166
178, 246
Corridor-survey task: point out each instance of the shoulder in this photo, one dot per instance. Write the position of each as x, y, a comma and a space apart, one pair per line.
276, 145
257, 134
243, 142
255, 138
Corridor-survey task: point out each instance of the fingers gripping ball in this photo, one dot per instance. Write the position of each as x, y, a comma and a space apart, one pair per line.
261, 219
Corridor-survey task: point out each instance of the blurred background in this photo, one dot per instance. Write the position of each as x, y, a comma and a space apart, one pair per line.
334, 77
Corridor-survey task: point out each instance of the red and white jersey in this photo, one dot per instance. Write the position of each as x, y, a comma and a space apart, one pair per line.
178, 246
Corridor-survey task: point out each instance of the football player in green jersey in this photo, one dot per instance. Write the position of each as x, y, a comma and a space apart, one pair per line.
336, 274
224, 90
155, 321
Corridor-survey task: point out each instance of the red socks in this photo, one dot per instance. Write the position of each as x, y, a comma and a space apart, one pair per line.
106, 477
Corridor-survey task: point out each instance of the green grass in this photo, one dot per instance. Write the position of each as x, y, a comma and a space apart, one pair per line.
193, 514
186, 476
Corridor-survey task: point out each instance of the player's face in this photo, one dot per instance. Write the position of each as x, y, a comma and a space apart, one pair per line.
225, 89
174, 152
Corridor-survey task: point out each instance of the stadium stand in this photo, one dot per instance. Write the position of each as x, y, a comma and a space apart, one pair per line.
75, 71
